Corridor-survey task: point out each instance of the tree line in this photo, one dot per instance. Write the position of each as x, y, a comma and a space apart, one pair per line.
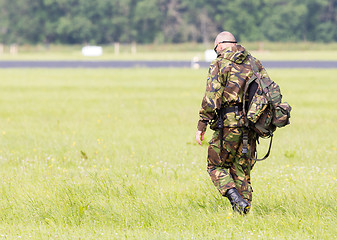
165, 21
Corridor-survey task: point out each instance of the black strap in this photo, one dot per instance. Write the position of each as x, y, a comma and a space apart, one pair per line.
235, 108
221, 119
267, 154
245, 141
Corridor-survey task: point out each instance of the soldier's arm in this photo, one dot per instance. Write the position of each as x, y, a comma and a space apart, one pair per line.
212, 99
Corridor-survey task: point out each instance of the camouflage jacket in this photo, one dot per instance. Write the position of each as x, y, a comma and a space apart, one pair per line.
227, 76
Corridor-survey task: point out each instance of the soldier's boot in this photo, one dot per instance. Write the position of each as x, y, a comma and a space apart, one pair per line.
238, 203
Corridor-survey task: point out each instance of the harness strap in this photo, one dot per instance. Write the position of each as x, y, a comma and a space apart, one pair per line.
245, 141
221, 126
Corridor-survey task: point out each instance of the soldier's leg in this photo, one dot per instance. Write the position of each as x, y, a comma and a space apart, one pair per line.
240, 171
221, 179
219, 167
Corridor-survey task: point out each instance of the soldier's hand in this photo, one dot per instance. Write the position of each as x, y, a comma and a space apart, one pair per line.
199, 136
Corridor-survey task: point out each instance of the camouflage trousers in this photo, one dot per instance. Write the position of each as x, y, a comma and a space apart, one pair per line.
231, 168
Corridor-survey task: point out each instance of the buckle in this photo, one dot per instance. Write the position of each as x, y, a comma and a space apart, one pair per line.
236, 111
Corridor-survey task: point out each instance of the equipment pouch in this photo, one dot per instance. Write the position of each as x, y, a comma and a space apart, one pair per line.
282, 114
263, 127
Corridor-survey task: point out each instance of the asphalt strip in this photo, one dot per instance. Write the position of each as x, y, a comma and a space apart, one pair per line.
155, 64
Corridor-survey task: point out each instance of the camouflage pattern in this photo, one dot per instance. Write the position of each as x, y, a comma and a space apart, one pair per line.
257, 106
231, 168
226, 80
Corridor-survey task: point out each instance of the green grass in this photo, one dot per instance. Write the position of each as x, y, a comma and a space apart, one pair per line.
185, 51
110, 154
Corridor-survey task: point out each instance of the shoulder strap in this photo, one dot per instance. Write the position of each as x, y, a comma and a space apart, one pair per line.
254, 66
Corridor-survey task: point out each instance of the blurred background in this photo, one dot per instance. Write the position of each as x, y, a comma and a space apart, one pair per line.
164, 28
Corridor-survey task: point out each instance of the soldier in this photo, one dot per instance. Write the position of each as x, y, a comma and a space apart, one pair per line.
227, 165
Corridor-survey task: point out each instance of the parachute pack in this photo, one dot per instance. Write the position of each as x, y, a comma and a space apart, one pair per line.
263, 107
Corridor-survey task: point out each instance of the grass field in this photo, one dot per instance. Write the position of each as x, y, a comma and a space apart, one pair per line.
184, 51
110, 154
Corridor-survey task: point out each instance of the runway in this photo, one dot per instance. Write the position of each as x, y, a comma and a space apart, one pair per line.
155, 64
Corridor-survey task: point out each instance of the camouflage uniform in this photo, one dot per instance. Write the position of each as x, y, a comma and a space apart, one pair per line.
225, 84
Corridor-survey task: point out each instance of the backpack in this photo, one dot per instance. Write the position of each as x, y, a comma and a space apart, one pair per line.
263, 107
